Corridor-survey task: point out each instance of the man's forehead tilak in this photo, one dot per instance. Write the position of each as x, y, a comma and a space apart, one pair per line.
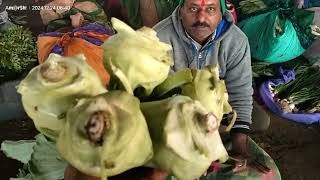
203, 2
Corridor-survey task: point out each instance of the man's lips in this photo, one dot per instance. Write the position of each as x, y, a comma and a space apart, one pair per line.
201, 28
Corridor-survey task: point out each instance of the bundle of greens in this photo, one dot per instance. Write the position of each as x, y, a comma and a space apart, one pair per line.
53, 87
267, 70
301, 94
185, 136
106, 135
18, 52
136, 58
260, 69
248, 7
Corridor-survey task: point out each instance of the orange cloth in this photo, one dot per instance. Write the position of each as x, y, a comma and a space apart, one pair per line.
73, 46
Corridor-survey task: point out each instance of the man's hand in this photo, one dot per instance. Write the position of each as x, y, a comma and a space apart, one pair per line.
142, 173
72, 173
156, 174
241, 157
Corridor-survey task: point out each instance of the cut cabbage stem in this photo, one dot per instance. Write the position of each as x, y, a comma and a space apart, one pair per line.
233, 120
53, 71
97, 126
209, 121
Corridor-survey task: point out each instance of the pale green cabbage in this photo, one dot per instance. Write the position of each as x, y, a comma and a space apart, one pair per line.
207, 88
51, 88
106, 135
203, 85
185, 136
136, 58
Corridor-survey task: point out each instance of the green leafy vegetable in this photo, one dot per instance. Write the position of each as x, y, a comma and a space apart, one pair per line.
263, 69
302, 93
18, 52
46, 163
18, 150
41, 162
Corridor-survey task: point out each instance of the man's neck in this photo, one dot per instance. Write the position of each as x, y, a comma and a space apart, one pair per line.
200, 44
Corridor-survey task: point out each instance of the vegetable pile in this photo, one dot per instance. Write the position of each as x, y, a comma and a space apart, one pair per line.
104, 131
301, 94
298, 93
18, 53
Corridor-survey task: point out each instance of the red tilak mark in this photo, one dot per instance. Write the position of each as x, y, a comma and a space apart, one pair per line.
202, 3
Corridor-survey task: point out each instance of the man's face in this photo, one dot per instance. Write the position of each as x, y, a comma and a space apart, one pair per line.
200, 18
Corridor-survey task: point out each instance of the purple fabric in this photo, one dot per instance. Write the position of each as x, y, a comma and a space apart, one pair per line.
92, 40
57, 49
266, 96
94, 27
91, 27
52, 34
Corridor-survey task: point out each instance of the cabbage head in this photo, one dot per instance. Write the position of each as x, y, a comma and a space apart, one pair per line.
203, 85
207, 88
51, 88
136, 58
185, 136
106, 135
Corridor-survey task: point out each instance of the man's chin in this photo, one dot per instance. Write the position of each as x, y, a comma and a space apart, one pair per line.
201, 36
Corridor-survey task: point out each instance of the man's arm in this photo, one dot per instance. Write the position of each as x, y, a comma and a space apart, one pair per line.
239, 85
238, 80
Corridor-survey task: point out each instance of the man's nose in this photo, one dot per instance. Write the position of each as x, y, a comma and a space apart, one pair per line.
201, 16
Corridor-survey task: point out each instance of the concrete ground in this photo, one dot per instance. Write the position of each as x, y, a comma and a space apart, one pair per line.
294, 147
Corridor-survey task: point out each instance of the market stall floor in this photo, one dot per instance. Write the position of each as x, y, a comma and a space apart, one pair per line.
294, 147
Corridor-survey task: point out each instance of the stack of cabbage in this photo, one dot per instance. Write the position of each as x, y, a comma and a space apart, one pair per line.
106, 131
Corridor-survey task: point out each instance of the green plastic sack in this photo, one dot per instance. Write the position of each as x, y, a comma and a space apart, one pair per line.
277, 30
272, 37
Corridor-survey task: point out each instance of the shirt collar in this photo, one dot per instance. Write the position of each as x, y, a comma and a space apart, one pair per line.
199, 46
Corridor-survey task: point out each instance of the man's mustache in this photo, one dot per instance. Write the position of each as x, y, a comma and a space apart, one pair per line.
200, 24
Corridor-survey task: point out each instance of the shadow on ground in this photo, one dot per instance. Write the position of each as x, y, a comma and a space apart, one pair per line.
294, 147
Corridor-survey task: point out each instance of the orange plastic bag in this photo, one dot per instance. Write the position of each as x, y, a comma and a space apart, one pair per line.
72, 44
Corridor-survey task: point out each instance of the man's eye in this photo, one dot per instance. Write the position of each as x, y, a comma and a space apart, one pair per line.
211, 9
193, 9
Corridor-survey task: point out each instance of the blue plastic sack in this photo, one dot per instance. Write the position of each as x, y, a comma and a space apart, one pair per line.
266, 95
311, 3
